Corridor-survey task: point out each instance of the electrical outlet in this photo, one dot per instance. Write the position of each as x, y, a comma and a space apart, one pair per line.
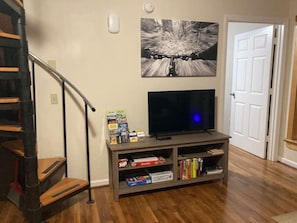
54, 98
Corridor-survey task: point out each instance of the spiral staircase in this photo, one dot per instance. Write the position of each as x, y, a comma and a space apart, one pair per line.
32, 184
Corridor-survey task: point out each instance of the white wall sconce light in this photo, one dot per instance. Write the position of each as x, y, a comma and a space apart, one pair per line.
113, 23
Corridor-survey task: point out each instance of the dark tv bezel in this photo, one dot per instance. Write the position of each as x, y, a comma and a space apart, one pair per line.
182, 131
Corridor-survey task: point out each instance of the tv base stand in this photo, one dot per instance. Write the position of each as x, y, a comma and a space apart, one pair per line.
207, 131
163, 138
186, 159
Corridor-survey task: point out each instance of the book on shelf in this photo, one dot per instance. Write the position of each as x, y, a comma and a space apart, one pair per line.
190, 168
216, 151
146, 161
161, 176
138, 178
213, 170
194, 168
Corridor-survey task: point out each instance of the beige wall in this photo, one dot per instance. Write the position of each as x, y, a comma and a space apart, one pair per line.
286, 155
106, 67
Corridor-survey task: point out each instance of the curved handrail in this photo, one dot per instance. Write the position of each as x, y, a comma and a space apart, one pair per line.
48, 68
36, 60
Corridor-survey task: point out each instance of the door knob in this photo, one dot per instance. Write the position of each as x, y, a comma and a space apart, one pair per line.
232, 94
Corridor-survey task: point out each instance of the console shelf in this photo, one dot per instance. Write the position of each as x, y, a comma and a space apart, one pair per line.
179, 148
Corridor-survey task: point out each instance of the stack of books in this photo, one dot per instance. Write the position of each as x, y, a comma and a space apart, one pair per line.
190, 168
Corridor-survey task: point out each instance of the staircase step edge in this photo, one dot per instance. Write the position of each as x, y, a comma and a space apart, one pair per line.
15, 146
9, 69
9, 100
10, 126
10, 36
67, 187
47, 166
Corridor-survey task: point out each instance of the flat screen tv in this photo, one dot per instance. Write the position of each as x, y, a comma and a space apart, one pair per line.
180, 112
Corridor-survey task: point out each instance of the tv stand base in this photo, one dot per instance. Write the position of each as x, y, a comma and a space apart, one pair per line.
163, 138
207, 131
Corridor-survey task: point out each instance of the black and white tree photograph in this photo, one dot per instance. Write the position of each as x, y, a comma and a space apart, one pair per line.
176, 48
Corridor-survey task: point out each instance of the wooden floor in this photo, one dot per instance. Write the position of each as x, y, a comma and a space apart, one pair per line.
256, 191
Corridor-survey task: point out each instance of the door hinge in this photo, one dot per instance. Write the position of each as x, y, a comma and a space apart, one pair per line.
267, 138
275, 41
275, 36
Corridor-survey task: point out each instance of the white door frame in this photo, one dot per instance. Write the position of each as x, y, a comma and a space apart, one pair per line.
279, 67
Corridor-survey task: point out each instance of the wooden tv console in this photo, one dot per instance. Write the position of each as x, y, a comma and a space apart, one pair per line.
176, 151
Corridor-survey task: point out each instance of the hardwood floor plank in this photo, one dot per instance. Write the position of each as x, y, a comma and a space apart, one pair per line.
256, 191
75, 210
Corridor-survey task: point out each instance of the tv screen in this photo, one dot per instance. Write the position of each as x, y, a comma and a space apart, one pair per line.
172, 112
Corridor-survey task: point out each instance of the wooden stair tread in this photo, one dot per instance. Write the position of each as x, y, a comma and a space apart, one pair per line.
9, 126
64, 188
8, 100
15, 146
47, 166
10, 35
9, 69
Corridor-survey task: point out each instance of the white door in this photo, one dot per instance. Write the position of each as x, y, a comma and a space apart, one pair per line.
250, 90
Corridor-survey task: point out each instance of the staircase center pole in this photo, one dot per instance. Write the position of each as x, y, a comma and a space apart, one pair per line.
32, 208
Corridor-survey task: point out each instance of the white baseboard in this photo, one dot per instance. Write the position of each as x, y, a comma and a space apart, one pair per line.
99, 183
288, 162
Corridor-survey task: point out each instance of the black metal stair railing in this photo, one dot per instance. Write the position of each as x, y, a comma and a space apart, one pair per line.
87, 104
